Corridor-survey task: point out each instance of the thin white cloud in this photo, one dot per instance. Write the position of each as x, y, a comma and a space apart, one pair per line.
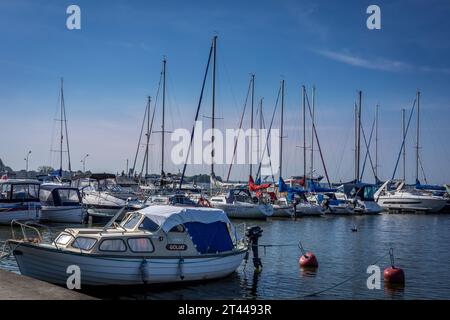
378, 63
375, 64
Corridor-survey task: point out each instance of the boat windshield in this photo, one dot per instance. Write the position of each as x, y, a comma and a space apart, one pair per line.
69, 196
109, 184
369, 192
25, 192
132, 221
5, 191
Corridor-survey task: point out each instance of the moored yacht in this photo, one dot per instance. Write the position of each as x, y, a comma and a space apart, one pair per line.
19, 200
239, 204
408, 200
61, 204
158, 244
361, 195
103, 196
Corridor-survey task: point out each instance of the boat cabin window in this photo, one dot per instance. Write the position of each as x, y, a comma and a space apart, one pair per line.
140, 245
178, 228
149, 225
369, 192
113, 245
84, 243
5, 191
67, 196
25, 192
63, 239
46, 197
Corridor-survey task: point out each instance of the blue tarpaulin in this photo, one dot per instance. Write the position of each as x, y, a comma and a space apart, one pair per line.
291, 192
210, 237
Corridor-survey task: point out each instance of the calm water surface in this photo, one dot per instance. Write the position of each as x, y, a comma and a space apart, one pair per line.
421, 246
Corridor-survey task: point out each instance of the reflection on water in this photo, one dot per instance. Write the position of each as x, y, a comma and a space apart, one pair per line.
343, 258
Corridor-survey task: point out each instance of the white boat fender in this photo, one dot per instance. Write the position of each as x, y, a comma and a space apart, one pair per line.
180, 268
253, 234
145, 274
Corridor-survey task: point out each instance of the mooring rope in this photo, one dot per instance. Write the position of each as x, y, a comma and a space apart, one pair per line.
343, 281
300, 246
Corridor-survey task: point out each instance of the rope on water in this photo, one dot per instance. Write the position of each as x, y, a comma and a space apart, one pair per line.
344, 281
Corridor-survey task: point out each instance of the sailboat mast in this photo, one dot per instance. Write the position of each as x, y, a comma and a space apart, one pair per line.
163, 117
404, 149
304, 133
213, 115
281, 129
61, 128
418, 136
260, 138
376, 143
251, 125
358, 147
312, 129
148, 135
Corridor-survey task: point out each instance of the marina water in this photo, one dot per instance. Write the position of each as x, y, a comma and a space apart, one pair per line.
421, 246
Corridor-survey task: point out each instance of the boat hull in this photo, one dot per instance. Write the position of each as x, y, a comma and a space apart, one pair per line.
29, 211
405, 203
70, 214
50, 265
308, 209
282, 211
245, 210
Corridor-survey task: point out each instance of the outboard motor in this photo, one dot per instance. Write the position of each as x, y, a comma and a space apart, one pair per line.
253, 234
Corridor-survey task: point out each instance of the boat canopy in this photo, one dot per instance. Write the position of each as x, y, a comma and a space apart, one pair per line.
207, 227
95, 176
59, 195
168, 217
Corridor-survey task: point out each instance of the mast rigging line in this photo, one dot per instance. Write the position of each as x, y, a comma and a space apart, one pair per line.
404, 138
240, 127
270, 129
143, 122
268, 152
196, 115
368, 152
317, 140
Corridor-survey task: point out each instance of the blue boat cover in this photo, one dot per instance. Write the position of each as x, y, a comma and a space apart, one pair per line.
317, 188
283, 187
420, 186
210, 237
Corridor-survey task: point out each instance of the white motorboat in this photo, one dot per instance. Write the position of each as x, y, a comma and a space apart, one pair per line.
158, 244
19, 200
331, 204
238, 204
282, 209
306, 208
408, 200
103, 197
361, 196
61, 204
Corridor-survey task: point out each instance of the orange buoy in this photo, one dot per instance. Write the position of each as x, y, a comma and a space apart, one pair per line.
308, 260
393, 274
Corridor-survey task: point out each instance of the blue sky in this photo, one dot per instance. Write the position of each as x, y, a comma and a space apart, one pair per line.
114, 61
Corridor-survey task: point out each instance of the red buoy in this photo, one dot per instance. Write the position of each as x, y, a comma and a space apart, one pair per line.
394, 275
308, 260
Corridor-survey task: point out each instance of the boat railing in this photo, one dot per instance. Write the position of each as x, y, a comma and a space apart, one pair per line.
24, 226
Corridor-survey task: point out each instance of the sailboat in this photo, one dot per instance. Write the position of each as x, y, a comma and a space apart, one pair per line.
360, 194
403, 199
61, 203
